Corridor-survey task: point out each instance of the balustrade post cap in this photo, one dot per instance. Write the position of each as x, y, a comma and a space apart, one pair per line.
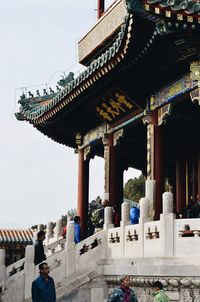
2, 256
144, 207
167, 201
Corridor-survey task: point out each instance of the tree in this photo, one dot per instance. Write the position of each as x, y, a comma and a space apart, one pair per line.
95, 204
134, 189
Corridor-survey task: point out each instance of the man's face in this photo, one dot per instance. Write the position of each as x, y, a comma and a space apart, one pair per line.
45, 270
126, 282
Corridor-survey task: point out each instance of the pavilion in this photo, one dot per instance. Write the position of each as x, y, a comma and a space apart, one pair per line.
136, 104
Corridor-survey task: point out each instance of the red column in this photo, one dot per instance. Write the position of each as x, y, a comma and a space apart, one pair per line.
101, 8
180, 184
83, 192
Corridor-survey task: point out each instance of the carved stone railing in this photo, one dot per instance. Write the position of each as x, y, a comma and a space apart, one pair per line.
104, 28
186, 237
55, 247
15, 268
57, 266
115, 242
152, 239
132, 241
91, 250
162, 240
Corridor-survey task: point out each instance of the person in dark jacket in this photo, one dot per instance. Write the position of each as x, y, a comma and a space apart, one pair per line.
39, 248
43, 288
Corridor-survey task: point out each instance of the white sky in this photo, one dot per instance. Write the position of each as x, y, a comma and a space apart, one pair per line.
38, 177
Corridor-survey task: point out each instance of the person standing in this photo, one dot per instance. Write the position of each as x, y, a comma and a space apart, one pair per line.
159, 294
134, 215
39, 248
64, 230
77, 229
123, 293
43, 288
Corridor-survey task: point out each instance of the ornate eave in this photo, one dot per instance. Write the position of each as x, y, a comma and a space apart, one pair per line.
38, 110
129, 55
168, 8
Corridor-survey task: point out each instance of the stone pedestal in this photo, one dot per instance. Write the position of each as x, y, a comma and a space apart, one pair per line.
167, 203
58, 228
29, 269
2, 268
125, 213
144, 208
150, 194
70, 250
40, 227
167, 226
49, 232
144, 217
108, 218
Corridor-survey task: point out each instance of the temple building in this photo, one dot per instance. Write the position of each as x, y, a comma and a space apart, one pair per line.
136, 104
14, 243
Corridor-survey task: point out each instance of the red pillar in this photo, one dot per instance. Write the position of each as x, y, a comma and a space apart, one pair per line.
180, 184
101, 8
83, 192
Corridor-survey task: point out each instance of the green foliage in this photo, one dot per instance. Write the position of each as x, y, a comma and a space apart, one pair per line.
134, 189
95, 204
94, 207
70, 213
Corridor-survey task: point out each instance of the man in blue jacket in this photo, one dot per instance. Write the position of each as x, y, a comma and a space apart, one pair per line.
43, 288
134, 215
77, 229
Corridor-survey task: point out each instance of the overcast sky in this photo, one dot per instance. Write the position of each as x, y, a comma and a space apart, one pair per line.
38, 176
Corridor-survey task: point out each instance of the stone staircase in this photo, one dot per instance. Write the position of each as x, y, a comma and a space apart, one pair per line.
89, 270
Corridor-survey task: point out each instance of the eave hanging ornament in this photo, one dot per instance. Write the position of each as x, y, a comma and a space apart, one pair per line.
195, 76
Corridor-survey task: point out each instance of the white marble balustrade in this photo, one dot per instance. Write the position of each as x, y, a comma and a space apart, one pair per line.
14, 269
186, 237
91, 250
152, 240
132, 241
55, 247
115, 242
